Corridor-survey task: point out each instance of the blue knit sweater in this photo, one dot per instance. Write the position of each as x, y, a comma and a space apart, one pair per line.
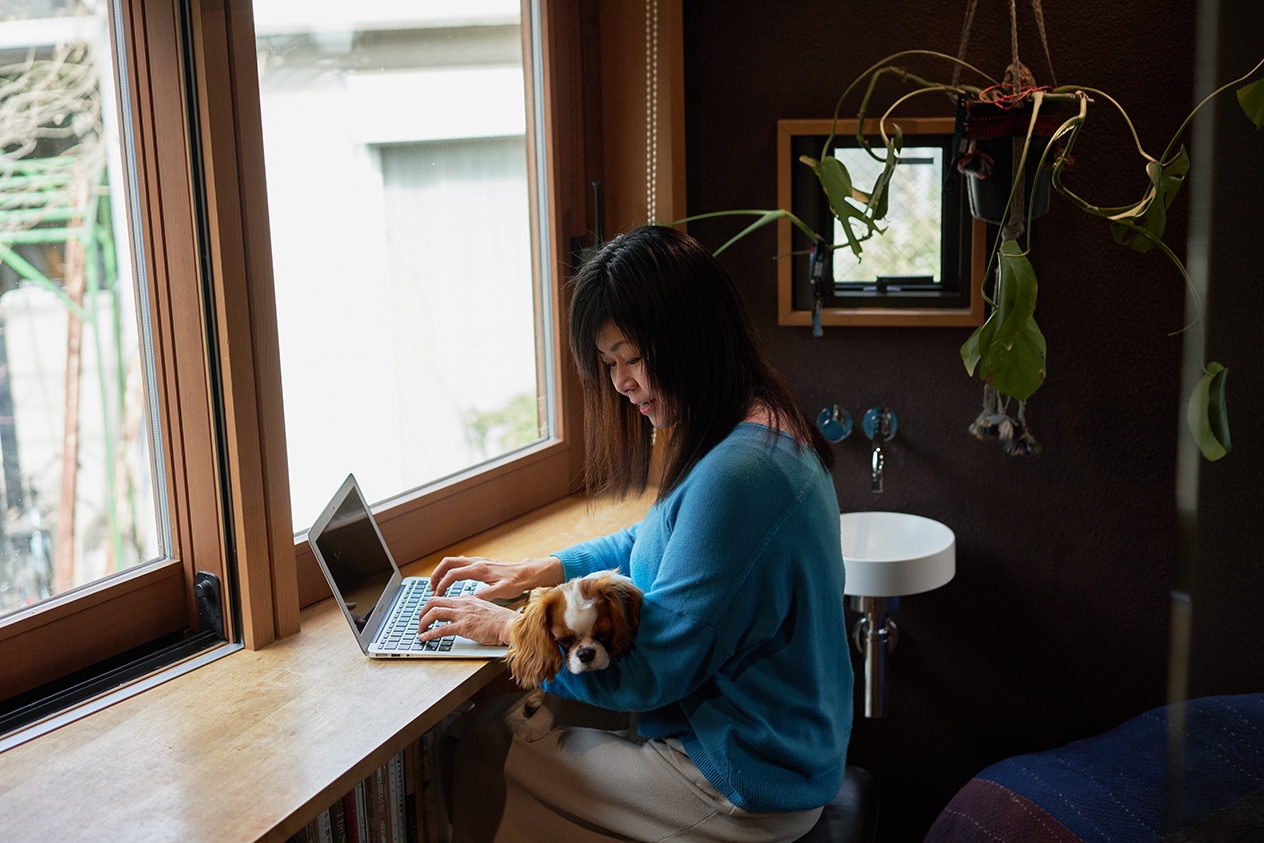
742, 651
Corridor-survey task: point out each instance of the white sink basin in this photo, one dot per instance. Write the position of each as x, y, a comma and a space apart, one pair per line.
889, 554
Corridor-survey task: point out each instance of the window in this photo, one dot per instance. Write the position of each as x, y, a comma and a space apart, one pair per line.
395, 142
417, 268
909, 257
74, 416
190, 95
924, 269
95, 294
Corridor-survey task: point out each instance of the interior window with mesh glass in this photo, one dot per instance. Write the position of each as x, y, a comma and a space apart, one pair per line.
910, 250
920, 259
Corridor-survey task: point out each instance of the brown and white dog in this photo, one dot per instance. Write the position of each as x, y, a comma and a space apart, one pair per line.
581, 625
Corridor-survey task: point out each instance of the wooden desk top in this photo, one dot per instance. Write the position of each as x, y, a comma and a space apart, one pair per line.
254, 745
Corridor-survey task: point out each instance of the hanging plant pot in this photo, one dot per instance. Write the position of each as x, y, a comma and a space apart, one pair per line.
992, 131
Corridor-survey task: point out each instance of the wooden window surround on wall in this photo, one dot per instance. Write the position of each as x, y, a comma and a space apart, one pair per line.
873, 316
248, 537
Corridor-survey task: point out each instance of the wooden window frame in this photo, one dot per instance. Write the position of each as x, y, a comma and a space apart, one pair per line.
871, 314
246, 536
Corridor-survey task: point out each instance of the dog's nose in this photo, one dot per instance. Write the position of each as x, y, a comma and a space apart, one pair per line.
586, 655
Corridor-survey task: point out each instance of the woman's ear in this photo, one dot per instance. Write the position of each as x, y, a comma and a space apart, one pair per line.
533, 656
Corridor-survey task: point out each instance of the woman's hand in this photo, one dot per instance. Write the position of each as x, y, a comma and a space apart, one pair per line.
504, 580
468, 617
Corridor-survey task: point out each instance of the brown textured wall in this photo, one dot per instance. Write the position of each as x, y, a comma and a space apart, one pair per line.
1055, 626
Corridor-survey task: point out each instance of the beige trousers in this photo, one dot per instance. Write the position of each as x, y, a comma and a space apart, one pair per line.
534, 767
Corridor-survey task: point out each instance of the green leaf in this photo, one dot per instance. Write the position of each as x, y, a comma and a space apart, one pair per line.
1008, 349
1251, 98
765, 217
770, 216
1019, 370
836, 182
1150, 214
972, 349
1016, 296
879, 199
834, 178
1206, 414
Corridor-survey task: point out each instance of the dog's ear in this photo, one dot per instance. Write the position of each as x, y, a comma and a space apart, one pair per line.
534, 657
624, 600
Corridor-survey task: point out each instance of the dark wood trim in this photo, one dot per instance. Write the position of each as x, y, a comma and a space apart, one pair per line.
267, 358
171, 259
874, 316
246, 312
572, 102
623, 115
90, 625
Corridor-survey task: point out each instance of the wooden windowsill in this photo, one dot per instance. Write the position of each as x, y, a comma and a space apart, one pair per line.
252, 746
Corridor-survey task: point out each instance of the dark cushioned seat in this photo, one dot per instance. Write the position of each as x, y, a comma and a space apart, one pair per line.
852, 816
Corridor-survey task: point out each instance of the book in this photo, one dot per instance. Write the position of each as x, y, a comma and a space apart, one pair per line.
324, 828
338, 822
429, 814
411, 773
395, 791
380, 803
374, 834
351, 817
362, 815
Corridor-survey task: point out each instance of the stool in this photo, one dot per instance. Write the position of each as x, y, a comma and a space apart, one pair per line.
852, 815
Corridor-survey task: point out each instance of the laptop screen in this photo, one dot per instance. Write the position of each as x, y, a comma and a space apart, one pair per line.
354, 555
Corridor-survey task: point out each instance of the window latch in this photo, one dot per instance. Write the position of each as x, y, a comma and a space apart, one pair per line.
210, 609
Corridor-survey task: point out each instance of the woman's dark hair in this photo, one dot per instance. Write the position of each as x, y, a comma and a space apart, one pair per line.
670, 298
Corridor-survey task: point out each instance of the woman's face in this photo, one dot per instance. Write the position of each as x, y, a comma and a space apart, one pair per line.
627, 372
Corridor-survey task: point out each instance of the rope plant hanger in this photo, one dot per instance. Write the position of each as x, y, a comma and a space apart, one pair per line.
1006, 119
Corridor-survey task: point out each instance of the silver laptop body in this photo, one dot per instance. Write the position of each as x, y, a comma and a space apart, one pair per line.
380, 604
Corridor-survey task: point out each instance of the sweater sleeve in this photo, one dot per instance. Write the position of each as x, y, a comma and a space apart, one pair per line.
700, 607
600, 554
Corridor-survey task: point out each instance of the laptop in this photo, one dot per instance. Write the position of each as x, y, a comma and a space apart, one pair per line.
381, 605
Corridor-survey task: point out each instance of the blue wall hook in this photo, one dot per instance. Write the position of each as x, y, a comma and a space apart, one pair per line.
834, 423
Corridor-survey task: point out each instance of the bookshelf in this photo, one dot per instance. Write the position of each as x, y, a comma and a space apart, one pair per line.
254, 746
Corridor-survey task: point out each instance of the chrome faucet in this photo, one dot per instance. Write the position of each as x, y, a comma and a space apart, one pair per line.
880, 425
876, 460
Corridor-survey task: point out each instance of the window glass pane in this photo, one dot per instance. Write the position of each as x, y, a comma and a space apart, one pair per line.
397, 165
78, 494
911, 246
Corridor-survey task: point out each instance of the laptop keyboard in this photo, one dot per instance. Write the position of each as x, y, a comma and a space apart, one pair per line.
399, 634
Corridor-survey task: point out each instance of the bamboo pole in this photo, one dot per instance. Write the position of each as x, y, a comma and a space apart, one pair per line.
64, 547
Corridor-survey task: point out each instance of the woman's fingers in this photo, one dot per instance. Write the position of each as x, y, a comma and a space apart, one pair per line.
468, 617
451, 569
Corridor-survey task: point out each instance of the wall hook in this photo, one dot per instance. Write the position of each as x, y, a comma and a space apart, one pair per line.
835, 423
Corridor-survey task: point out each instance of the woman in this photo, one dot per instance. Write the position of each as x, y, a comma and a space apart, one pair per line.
740, 675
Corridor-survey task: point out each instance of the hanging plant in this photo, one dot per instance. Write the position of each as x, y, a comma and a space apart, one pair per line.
1008, 352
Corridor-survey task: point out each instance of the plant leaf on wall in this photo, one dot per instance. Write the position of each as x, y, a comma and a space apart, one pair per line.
1008, 349
836, 182
1251, 98
1150, 214
878, 201
1206, 414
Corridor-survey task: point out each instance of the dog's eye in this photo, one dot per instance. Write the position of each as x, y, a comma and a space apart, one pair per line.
567, 642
